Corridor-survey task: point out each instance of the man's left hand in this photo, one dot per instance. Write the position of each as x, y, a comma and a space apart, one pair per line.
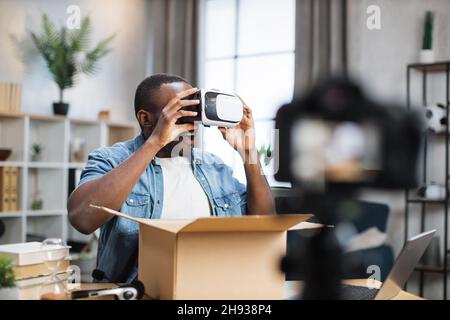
242, 136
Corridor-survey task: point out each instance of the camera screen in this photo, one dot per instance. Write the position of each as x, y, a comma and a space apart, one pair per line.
336, 152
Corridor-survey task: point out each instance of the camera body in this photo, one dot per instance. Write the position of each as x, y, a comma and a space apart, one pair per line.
216, 108
336, 137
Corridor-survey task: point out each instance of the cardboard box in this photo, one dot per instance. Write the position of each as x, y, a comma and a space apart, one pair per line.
214, 257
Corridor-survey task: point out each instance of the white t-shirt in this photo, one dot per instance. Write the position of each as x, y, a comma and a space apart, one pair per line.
184, 197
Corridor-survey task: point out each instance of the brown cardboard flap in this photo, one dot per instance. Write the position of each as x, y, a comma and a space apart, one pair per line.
222, 224
168, 225
117, 213
173, 226
308, 225
246, 223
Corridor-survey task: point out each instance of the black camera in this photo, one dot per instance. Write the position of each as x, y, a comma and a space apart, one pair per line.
331, 143
338, 137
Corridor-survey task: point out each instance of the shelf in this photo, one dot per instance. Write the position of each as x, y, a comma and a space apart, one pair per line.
11, 214
46, 165
77, 165
431, 269
423, 200
43, 213
122, 125
436, 134
66, 144
38, 117
84, 122
440, 66
11, 115
436, 68
19, 164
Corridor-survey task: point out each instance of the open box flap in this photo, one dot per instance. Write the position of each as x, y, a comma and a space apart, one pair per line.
308, 225
219, 224
245, 223
167, 225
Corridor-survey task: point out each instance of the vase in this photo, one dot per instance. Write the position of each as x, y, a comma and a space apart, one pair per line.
426, 56
60, 108
11, 293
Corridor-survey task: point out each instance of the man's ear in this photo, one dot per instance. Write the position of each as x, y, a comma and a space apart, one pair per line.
145, 118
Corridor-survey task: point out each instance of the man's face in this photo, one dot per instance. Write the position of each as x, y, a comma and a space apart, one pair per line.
166, 92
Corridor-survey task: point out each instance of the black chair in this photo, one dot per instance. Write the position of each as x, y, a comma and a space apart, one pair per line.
363, 215
370, 214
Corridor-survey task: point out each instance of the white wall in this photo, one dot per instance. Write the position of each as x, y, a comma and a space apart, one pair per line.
379, 59
112, 88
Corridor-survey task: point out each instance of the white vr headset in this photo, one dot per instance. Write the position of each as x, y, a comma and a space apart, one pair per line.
216, 108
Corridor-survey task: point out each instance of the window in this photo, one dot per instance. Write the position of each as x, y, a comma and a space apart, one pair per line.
247, 47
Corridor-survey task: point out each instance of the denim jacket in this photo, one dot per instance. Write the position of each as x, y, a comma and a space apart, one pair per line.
118, 245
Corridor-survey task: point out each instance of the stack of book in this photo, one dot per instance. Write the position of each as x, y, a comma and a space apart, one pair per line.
9, 180
10, 97
31, 269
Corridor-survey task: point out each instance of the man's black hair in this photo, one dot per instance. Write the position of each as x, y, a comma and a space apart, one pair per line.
144, 99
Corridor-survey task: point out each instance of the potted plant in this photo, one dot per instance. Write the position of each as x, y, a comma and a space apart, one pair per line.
265, 154
67, 55
36, 152
8, 289
427, 53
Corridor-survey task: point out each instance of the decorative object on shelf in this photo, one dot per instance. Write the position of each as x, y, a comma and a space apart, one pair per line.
9, 180
432, 191
104, 115
86, 259
36, 152
67, 55
10, 94
266, 154
4, 154
77, 150
54, 255
436, 117
8, 289
36, 202
427, 52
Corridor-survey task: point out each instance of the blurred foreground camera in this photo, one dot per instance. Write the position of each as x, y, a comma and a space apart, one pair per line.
337, 137
332, 143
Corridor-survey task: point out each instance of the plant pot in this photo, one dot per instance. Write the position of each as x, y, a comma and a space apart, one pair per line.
426, 56
60, 108
9, 293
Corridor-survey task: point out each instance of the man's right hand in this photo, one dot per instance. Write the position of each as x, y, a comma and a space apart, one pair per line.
166, 129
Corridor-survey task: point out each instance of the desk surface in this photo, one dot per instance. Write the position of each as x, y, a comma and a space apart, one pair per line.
291, 288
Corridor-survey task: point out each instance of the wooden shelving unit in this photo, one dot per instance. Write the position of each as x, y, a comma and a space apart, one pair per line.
50, 175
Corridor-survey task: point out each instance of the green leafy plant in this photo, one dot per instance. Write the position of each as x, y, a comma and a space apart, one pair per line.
7, 278
66, 52
428, 31
266, 153
37, 204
